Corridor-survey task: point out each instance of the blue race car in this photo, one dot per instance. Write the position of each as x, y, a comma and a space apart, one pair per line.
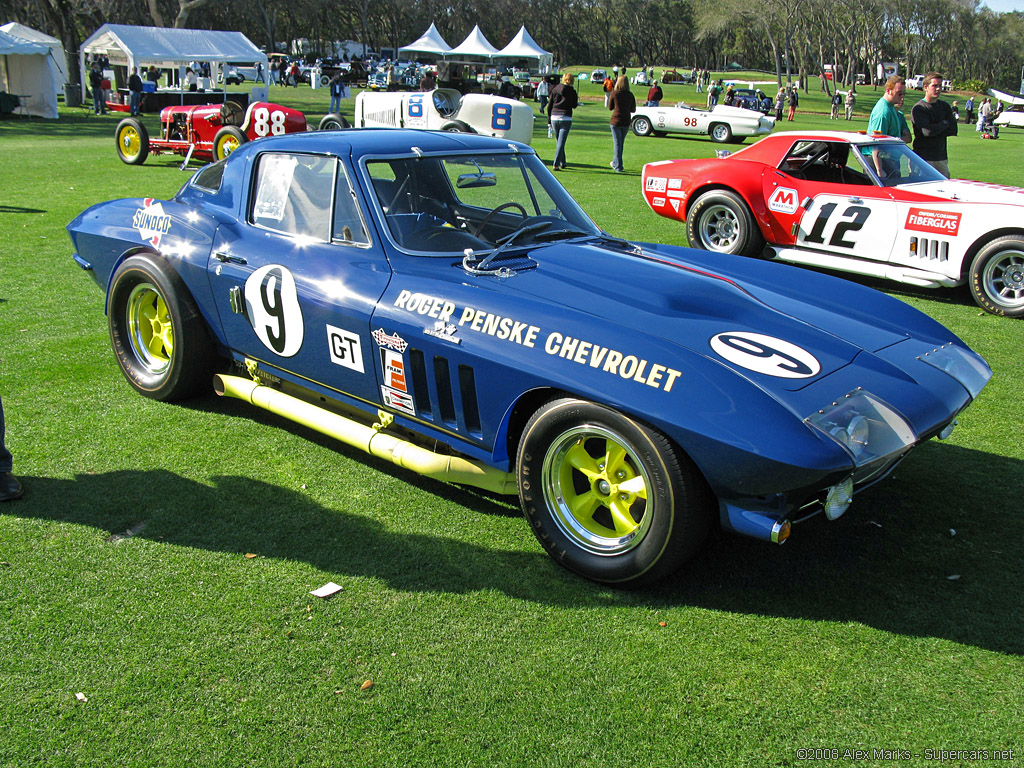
438, 299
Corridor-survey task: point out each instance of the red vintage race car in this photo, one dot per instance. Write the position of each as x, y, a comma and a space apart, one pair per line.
207, 132
851, 202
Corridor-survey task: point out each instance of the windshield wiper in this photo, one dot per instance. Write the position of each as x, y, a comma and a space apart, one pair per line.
484, 266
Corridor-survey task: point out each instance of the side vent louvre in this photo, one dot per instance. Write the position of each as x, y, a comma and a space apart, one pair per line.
467, 389
443, 384
420, 390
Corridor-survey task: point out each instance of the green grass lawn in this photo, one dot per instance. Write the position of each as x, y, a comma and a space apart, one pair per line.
124, 575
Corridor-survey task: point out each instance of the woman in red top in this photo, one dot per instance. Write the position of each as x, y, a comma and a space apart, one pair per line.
623, 105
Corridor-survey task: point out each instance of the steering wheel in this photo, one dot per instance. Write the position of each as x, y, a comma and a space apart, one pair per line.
502, 207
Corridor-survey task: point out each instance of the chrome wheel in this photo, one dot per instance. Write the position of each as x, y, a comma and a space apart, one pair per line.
718, 228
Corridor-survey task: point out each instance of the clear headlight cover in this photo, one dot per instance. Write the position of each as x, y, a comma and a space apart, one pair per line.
865, 426
969, 369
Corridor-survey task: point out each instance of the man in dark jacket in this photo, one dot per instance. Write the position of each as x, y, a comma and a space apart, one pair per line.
99, 104
135, 92
933, 121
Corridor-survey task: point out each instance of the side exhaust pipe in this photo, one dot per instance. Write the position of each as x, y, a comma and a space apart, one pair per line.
450, 469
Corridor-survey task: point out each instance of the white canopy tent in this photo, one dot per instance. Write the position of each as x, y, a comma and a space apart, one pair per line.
165, 47
475, 44
430, 42
60, 59
523, 46
27, 71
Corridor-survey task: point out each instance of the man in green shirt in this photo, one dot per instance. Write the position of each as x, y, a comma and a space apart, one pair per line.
886, 116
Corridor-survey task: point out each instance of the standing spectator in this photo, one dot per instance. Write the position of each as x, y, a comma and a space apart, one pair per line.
886, 116
275, 73
984, 112
259, 73
969, 110
623, 105
956, 111
713, 92
608, 86
429, 81
135, 93
851, 98
794, 102
191, 82
655, 95
293, 75
730, 95
337, 88
780, 103
542, 93
837, 102
699, 79
99, 106
564, 100
10, 487
933, 121
153, 74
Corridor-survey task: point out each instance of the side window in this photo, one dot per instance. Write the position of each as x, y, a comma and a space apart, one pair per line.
348, 222
209, 177
294, 194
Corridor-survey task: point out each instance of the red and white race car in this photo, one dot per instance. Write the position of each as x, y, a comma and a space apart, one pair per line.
852, 202
205, 132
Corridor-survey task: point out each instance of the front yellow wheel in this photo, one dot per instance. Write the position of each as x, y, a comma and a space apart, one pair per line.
132, 141
150, 330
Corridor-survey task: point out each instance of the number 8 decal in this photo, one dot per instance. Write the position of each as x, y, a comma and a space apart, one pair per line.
416, 106
265, 121
501, 117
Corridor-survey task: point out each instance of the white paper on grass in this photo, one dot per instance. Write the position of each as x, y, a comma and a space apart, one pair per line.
326, 590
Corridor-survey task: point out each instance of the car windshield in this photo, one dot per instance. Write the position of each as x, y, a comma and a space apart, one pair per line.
443, 205
884, 164
896, 164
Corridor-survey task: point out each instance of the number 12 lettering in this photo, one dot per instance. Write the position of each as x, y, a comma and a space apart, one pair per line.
858, 214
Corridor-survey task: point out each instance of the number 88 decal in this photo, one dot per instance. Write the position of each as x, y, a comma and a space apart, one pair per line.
266, 121
501, 117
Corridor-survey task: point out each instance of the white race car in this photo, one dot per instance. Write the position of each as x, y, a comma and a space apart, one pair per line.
445, 109
723, 124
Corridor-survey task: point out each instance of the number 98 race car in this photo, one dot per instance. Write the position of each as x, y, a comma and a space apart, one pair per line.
207, 132
440, 301
445, 109
851, 202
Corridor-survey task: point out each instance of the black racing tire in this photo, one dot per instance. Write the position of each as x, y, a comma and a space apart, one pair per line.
457, 126
333, 122
228, 139
132, 140
158, 335
641, 126
719, 220
997, 277
608, 497
720, 132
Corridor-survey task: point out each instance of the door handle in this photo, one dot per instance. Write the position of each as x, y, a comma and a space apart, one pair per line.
226, 257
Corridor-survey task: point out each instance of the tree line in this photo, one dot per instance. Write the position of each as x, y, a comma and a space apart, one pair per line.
965, 41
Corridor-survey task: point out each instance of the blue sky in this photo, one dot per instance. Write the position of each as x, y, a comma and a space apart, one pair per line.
1002, 6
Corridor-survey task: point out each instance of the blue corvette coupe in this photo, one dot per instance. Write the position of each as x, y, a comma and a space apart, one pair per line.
438, 299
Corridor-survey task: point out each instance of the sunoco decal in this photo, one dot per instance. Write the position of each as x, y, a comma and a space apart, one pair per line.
152, 222
784, 200
934, 222
765, 354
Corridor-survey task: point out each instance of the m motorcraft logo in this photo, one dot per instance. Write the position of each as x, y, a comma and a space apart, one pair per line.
934, 222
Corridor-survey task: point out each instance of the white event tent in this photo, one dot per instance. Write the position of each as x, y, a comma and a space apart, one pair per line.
475, 44
60, 60
27, 71
523, 46
430, 42
165, 47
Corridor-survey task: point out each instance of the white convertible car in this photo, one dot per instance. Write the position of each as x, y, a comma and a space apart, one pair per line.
723, 124
445, 109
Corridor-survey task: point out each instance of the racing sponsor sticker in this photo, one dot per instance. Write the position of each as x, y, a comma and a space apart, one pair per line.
784, 200
444, 331
658, 202
151, 221
400, 401
394, 370
675, 183
345, 348
657, 184
389, 340
765, 354
272, 306
935, 222
675, 204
